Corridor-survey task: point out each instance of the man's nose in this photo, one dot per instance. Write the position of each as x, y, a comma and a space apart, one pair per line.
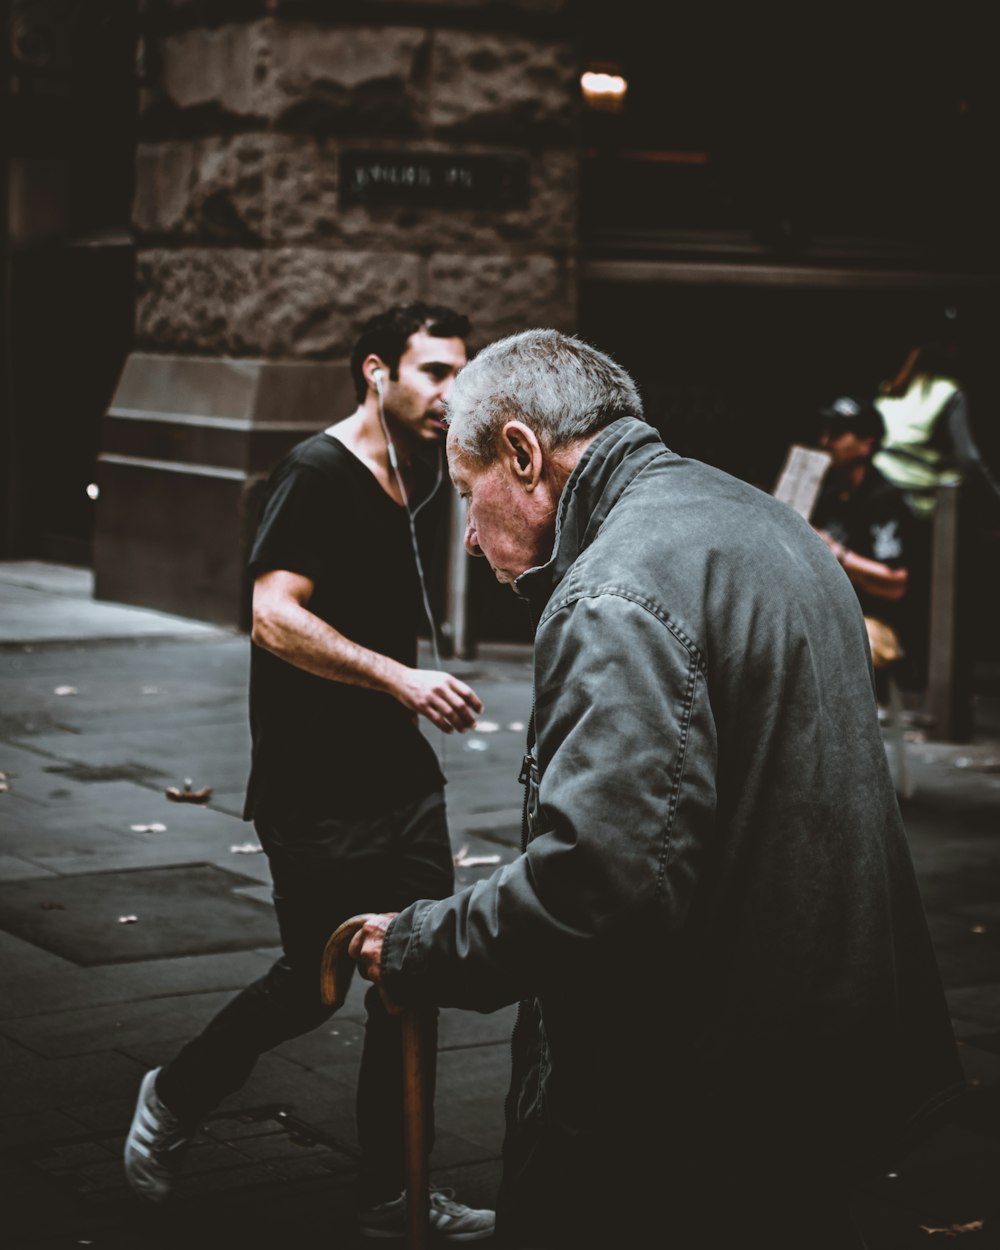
472, 540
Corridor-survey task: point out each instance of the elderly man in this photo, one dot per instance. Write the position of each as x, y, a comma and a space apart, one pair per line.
730, 1008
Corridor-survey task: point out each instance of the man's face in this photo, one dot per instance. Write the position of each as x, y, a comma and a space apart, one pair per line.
513, 528
848, 449
414, 399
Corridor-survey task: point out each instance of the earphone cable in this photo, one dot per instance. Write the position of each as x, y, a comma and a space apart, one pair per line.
411, 515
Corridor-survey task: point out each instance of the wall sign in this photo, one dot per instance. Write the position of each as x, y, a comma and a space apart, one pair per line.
433, 179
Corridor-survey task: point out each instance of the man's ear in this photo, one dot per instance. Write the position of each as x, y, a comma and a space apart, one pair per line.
522, 453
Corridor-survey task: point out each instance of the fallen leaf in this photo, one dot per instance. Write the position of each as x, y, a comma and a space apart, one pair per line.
188, 795
127, 919
4, 787
954, 1230
65, 690
460, 855
485, 727
980, 928
150, 690
153, 828
516, 726
474, 744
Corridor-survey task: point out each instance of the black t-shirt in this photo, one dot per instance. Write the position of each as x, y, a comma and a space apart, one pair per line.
322, 746
876, 523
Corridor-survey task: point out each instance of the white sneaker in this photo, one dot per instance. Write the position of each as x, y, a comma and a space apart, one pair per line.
449, 1220
155, 1146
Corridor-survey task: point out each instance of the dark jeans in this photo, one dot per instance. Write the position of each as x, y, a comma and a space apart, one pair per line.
325, 870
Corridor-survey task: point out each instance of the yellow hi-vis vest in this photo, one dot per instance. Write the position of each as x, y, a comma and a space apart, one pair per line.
909, 456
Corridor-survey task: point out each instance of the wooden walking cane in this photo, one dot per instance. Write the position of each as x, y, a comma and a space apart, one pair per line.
335, 976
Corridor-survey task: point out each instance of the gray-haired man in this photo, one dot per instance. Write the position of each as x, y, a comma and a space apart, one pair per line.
730, 1004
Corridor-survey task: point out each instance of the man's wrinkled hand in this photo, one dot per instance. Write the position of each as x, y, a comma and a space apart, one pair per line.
366, 951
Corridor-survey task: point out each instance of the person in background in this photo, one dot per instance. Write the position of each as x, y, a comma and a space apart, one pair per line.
345, 792
730, 1008
929, 443
929, 440
865, 521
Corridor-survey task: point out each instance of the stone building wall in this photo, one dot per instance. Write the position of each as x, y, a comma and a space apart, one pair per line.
248, 248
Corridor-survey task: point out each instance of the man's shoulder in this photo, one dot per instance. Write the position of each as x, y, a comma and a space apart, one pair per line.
318, 456
318, 450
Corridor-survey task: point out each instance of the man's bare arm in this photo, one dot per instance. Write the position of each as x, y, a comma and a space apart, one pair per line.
871, 576
283, 625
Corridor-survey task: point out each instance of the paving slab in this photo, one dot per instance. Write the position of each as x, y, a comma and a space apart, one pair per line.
113, 917
117, 1026
60, 1084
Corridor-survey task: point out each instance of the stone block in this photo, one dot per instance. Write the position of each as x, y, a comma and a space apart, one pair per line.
302, 192
212, 190
359, 80
171, 541
290, 302
224, 67
185, 446
488, 85
201, 300
257, 394
504, 294
314, 300
300, 75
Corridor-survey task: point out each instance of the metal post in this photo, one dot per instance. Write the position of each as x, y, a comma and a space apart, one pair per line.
948, 702
457, 615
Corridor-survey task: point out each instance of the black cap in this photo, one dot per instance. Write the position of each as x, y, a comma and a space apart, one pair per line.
849, 415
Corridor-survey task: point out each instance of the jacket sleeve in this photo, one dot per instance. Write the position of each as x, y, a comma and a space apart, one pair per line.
626, 751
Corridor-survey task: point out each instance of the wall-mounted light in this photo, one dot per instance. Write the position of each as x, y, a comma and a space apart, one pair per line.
603, 89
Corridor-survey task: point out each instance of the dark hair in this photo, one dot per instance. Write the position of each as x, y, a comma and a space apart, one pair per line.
387, 333
849, 415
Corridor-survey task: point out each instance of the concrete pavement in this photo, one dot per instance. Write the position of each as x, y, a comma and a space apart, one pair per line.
126, 920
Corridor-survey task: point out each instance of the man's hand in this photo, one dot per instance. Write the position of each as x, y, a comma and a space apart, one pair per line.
870, 576
446, 702
366, 951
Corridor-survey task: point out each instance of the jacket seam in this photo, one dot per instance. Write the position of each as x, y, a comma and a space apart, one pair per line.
696, 666
648, 605
675, 788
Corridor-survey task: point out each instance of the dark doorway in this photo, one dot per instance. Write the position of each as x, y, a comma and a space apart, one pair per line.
69, 133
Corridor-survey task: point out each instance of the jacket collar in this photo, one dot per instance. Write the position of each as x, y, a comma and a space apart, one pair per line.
608, 464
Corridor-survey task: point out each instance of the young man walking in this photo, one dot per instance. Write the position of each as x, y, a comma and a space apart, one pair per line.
345, 792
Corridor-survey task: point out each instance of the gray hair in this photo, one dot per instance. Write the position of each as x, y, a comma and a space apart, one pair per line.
560, 387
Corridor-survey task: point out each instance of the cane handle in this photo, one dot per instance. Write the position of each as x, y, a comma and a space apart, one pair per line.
336, 968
